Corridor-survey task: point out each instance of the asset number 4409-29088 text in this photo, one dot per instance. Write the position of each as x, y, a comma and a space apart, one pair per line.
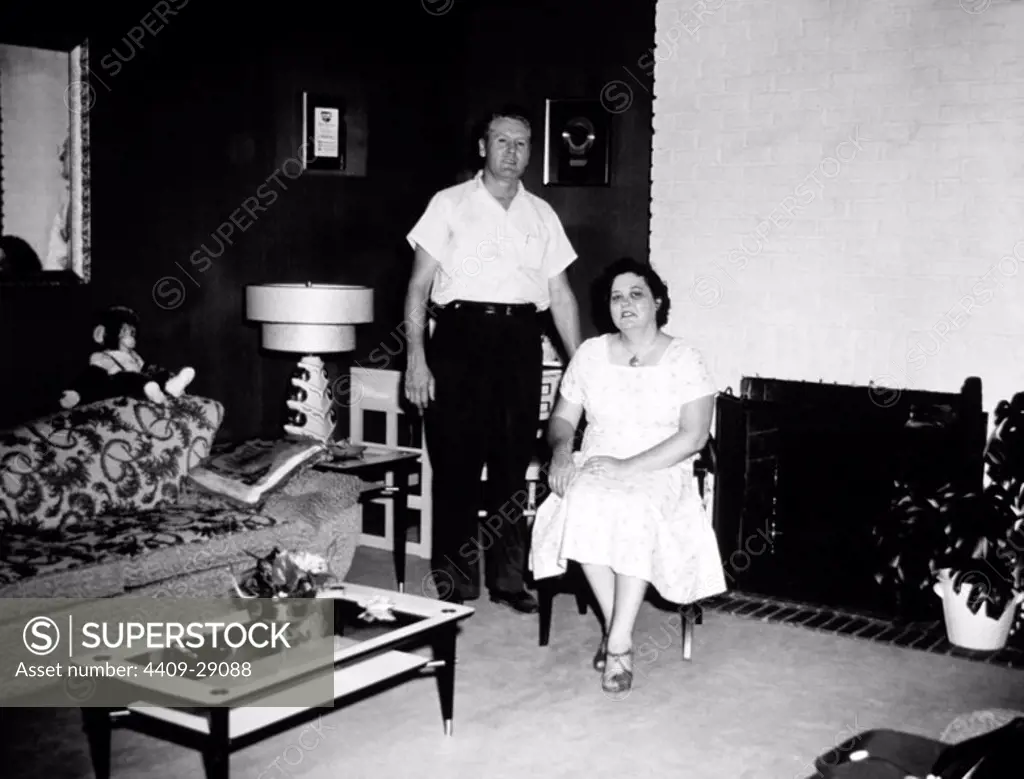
199, 669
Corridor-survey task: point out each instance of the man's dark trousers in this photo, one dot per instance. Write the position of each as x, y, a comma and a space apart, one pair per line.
486, 362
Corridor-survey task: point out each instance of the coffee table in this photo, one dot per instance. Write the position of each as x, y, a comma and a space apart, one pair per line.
368, 657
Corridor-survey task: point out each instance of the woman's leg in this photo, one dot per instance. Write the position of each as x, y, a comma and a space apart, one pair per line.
602, 581
629, 596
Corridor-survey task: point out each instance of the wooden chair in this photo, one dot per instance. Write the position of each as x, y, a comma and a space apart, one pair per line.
704, 469
550, 379
379, 390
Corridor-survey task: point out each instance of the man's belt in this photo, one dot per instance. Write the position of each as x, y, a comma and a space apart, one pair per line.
491, 309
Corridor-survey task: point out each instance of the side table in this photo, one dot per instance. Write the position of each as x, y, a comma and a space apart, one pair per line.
374, 464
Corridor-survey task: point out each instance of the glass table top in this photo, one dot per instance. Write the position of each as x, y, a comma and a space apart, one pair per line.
343, 636
290, 632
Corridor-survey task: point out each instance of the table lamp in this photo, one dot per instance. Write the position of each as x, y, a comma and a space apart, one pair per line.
309, 319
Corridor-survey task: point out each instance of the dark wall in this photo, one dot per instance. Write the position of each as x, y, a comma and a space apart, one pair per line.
202, 114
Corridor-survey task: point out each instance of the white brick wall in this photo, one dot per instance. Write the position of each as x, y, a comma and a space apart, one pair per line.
835, 183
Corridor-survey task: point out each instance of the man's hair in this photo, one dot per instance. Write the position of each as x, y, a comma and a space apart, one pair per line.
480, 129
507, 111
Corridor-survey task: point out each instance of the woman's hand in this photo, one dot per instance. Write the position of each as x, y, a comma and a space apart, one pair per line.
608, 467
561, 472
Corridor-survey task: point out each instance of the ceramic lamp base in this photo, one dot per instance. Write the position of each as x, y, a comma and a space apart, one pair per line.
311, 412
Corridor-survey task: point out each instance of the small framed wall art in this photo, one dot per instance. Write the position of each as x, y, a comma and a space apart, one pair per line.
577, 143
334, 131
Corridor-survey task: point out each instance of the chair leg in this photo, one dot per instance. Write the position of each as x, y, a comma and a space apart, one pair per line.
581, 589
546, 597
692, 615
581, 601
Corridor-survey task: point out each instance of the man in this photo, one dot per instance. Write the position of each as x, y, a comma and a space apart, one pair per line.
489, 257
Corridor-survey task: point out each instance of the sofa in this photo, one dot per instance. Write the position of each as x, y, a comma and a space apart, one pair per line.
105, 499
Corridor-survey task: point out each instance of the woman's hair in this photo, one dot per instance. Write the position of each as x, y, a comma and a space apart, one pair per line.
628, 265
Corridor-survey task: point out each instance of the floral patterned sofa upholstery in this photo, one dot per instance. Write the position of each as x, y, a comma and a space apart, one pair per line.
96, 502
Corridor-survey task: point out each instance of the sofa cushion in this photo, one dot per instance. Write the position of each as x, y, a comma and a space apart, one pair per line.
88, 558
119, 552
119, 454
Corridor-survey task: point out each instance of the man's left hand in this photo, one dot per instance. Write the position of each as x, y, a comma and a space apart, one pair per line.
608, 467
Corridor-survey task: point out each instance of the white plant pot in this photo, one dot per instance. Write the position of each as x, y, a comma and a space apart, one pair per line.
972, 631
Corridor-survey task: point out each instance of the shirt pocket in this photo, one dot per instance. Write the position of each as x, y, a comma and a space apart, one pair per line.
530, 247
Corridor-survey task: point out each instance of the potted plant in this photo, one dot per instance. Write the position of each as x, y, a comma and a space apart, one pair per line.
905, 542
965, 542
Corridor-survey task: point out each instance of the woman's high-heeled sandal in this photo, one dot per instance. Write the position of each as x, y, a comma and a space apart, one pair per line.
602, 650
617, 678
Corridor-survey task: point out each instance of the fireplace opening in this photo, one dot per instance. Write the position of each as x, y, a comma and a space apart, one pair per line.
806, 470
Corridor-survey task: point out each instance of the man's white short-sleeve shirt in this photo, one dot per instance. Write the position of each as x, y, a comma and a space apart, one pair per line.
487, 253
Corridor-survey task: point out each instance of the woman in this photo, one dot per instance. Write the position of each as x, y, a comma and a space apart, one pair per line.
626, 506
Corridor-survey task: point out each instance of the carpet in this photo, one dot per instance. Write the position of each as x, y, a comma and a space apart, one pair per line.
759, 700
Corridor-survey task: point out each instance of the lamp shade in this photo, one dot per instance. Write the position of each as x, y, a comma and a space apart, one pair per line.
309, 318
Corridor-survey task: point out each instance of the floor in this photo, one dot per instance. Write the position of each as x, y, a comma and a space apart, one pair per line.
760, 700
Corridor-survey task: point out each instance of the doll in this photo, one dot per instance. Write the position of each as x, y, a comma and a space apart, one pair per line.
118, 370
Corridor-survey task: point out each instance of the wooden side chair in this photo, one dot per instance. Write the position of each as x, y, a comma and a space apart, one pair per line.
378, 391
704, 469
551, 377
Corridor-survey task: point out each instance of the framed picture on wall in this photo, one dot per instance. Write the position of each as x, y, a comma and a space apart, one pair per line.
334, 131
577, 143
45, 214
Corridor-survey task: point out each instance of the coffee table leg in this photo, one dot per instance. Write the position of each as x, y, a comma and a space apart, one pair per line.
216, 754
444, 651
97, 727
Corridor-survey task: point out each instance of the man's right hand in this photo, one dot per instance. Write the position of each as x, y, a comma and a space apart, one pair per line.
419, 382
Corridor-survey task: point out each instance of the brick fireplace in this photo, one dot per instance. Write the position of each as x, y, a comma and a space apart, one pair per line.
805, 470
